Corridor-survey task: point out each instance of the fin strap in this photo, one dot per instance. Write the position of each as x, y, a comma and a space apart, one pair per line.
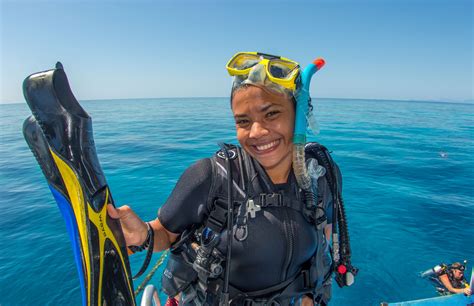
149, 243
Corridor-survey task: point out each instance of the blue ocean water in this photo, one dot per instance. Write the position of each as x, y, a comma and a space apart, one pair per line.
408, 171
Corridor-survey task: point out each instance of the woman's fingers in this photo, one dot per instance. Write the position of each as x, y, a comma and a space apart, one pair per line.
113, 213
122, 212
134, 229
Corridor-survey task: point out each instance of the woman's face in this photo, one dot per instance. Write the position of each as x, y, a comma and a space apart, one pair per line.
265, 124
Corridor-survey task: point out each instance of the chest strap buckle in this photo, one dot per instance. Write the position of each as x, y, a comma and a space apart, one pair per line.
270, 199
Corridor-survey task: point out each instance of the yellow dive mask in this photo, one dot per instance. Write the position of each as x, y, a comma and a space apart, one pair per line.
255, 67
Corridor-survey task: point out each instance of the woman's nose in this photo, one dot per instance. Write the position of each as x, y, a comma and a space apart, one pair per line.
258, 130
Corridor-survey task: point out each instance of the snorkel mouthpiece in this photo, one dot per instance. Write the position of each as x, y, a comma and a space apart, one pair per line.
319, 63
301, 124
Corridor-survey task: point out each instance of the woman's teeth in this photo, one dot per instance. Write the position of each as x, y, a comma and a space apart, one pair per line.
267, 146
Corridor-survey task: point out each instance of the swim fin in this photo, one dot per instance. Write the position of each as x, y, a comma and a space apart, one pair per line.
60, 136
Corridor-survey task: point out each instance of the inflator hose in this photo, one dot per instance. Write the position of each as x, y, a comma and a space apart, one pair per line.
230, 218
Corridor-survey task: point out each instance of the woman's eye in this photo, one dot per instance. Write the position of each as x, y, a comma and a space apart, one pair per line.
242, 122
272, 114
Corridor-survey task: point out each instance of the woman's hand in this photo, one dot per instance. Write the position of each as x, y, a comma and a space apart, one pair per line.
134, 229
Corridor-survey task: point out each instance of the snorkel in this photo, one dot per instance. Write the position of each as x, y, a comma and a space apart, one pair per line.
303, 101
341, 251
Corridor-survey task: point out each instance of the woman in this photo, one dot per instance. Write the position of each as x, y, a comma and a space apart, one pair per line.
278, 242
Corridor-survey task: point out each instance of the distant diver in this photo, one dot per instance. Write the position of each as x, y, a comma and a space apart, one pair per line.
449, 279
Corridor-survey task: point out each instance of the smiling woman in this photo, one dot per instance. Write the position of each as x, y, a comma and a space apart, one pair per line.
285, 227
265, 123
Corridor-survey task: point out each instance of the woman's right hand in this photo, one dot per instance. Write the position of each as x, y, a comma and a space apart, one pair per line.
467, 291
134, 229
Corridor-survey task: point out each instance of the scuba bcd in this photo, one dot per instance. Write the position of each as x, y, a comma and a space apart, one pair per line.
196, 266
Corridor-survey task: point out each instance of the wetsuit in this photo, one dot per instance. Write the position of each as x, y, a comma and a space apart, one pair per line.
280, 240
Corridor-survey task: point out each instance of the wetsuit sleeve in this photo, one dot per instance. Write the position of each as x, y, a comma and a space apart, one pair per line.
187, 204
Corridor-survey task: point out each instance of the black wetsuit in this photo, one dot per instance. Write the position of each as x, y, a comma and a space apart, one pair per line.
280, 239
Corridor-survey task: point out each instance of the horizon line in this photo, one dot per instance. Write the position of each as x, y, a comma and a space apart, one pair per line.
452, 101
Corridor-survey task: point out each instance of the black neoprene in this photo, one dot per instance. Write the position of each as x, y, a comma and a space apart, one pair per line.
280, 239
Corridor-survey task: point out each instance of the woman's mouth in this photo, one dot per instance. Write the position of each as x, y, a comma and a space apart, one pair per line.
266, 147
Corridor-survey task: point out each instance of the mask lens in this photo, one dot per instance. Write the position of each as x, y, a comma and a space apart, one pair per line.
281, 69
244, 61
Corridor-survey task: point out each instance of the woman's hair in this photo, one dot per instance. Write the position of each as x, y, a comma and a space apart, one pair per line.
245, 86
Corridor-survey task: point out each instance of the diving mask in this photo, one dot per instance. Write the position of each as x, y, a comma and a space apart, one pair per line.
275, 72
459, 267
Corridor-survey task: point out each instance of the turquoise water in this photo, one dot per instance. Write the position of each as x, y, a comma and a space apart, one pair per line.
408, 172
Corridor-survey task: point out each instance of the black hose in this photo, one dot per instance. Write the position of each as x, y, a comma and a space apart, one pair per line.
309, 199
339, 213
345, 246
230, 225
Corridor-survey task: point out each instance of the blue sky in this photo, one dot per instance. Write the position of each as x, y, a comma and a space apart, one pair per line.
403, 49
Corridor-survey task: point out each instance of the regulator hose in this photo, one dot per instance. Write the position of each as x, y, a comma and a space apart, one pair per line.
230, 220
345, 247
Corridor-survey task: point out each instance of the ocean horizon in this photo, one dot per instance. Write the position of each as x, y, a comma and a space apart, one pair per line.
407, 166
317, 98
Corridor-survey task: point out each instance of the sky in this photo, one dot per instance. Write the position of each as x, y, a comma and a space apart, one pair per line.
374, 49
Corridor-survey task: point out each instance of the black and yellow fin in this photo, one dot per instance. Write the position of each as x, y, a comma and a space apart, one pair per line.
60, 136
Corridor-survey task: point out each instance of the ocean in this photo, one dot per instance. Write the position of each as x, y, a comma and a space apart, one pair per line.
408, 170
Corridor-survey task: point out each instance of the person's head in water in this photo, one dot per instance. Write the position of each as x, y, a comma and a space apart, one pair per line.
458, 270
263, 106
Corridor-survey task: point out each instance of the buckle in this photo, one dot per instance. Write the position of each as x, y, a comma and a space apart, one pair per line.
271, 199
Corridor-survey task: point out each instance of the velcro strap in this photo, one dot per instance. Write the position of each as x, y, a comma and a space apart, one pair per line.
150, 243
